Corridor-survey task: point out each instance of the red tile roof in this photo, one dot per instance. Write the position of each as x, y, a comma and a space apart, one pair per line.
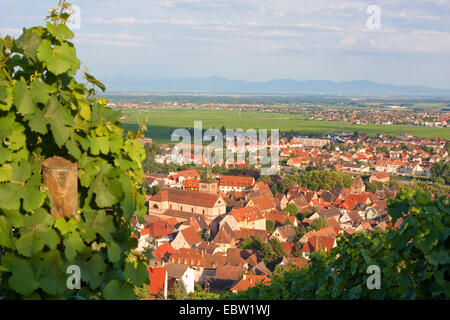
157, 277
186, 196
247, 214
236, 181
163, 250
191, 236
250, 281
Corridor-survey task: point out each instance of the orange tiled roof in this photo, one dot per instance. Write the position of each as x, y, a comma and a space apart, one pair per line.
250, 281
236, 181
248, 214
186, 196
157, 277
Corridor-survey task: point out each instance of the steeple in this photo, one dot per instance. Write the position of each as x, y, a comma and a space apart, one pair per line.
208, 184
358, 186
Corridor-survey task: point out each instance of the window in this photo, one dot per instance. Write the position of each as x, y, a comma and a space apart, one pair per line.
155, 206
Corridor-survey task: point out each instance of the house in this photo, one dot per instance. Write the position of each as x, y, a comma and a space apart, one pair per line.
380, 177
249, 281
298, 162
249, 218
292, 261
281, 201
187, 202
372, 214
323, 232
158, 282
261, 269
264, 203
280, 217
163, 252
231, 221
181, 272
235, 183
225, 238
350, 219
284, 233
301, 203
176, 179
225, 278
242, 234
318, 243
187, 238
326, 214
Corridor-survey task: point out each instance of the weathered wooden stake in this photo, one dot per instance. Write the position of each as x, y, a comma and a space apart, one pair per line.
61, 178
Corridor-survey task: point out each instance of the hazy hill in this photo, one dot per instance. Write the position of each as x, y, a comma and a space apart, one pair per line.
279, 86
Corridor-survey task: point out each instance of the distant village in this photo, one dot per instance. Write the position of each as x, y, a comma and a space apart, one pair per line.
230, 232
346, 152
376, 114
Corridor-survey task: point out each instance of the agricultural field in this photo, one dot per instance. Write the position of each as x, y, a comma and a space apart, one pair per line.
161, 123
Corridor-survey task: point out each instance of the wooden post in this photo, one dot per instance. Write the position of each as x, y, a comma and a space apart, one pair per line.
61, 178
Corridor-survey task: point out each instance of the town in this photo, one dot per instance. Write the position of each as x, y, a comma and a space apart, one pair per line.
223, 228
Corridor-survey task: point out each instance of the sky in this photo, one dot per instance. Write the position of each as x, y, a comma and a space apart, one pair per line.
255, 40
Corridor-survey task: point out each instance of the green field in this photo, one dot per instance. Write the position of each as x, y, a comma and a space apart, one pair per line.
161, 123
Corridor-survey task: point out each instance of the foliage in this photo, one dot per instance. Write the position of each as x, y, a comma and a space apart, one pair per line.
318, 223
45, 112
201, 294
323, 179
273, 252
413, 259
374, 186
142, 292
297, 252
265, 178
149, 164
270, 226
292, 209
252, 243
441, 170
279, 271
178, 292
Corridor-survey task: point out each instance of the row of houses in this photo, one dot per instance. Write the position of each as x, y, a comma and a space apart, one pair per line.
195, 235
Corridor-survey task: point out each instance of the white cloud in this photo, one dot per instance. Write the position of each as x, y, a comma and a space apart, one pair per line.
349, 41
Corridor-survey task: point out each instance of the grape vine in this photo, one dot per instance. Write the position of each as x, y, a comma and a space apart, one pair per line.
46, 112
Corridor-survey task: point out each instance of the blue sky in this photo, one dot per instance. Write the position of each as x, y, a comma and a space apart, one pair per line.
255, 40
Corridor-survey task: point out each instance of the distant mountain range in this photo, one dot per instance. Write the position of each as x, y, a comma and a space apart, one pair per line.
218, 85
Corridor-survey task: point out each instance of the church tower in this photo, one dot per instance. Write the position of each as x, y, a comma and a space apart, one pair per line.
208, 184
358, 186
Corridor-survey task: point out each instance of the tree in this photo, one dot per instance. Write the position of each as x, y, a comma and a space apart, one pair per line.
178, 291
374, 186
252, 243
297, 252
319, 223
270, 226
279, 271
292, 209
46, 112
323, 179
273, 252
441, 170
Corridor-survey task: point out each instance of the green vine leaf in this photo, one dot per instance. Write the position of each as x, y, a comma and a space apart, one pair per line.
59, 58
115, 290
36, 233
23, 279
